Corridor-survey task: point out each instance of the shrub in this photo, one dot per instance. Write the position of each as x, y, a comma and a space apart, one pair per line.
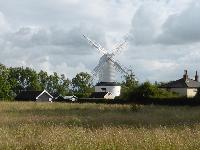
149, 91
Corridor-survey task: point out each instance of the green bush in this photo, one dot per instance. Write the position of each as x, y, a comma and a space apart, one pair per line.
197, 97
147, 91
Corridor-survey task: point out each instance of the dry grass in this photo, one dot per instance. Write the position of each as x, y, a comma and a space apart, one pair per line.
98, 126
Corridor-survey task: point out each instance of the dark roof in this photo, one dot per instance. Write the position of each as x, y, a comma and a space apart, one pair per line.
28, 95
107, 84
98, 94
182, 83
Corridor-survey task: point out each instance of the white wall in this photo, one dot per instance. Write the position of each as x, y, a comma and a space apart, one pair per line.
115, 90
191, 92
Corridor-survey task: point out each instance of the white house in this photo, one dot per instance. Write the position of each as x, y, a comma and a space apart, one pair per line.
184, 86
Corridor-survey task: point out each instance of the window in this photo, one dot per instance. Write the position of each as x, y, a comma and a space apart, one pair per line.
103, 89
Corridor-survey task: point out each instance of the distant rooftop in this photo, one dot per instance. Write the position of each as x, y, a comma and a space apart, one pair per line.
184, 82
28, 95
181, 83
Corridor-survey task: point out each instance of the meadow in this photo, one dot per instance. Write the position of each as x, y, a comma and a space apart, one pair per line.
30, 125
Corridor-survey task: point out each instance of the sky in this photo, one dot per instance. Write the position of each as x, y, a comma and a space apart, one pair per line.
163, 35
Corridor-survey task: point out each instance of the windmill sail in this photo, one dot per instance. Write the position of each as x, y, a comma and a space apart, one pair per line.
106, 68
107, 65
95, 44
117, 49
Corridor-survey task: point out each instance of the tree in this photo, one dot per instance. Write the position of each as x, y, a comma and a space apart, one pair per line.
14, 80
54, 83
81, 84
128, 84
23, 79
58, 84
31, 78
5, 87
43, 79
147, 91
129, 80
64, 84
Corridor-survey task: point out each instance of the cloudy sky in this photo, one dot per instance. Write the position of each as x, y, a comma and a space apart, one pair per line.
164, 35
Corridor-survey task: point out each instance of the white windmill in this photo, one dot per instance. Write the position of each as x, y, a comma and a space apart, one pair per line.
106, 67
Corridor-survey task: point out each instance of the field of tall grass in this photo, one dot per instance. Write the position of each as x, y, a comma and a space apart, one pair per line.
29, 125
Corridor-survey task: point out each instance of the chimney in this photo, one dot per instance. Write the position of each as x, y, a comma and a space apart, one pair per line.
185, 76
196, 77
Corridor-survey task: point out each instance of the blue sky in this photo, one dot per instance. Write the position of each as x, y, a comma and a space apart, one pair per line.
164, 36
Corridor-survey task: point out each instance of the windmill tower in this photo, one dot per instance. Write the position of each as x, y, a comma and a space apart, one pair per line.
106, 68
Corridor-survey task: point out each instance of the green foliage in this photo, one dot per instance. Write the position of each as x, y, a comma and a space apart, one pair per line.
63, 85
43, 79
198, 94
132, 90
5, 86
81, 85
128, 84
54, 83
23, 79
129, 81
147, 90
14, 80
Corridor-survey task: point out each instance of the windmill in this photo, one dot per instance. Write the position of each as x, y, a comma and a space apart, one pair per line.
106, 68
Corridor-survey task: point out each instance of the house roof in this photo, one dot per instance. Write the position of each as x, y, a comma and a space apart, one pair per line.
107, 84
182, 83
98, 94
30, 95
43, 93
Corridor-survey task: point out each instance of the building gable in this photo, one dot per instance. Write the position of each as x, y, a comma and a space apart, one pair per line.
33, 95
181, 83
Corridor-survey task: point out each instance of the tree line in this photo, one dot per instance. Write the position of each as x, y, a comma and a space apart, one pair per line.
16, 79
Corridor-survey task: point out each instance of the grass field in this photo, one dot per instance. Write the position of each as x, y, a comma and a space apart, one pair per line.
29, 125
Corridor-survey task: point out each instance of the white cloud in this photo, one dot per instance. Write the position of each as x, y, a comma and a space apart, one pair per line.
182, 28
47, 35
147, 22
4, 26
